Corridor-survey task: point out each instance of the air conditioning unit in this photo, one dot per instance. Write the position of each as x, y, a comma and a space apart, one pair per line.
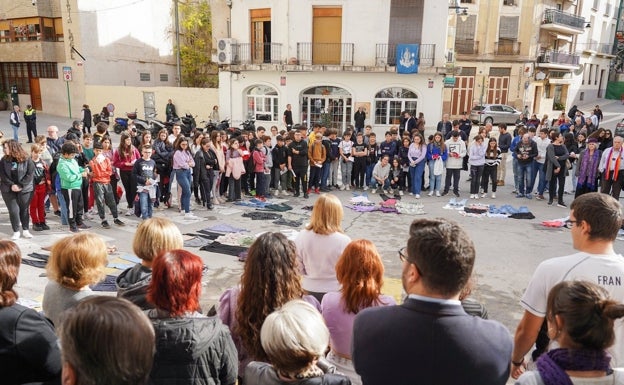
225, 50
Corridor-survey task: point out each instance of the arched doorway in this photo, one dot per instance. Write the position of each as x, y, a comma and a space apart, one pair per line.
328, 105
390, 102
262, 103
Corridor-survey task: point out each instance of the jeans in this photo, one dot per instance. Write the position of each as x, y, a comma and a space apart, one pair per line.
315, 177
416, 177
333, 172
524, 178
540, 171
489, 173
104, 196
215, 183
15, 132
516, 172
18, 204
146, 205
346, 168
475, 174
183, 176
369, 173
325, 174
375, 184
435, 181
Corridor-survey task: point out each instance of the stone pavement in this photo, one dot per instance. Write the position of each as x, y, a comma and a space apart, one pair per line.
508, 250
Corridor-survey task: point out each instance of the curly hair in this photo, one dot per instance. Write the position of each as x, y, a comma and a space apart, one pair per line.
15, 151
270, 279
360, 272
10, 259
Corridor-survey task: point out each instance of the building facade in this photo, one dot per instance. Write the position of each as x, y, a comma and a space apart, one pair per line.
544, 54
326, 58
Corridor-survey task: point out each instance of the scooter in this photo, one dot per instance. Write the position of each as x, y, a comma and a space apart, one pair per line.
248, 125
188, 124
213, 125
149, 123
121, 124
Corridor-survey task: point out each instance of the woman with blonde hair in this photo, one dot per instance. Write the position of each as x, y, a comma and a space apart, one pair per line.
320, 245
152, 237
75, 263
360, 273
270, 279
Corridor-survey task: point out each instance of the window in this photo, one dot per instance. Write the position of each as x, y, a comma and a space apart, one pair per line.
19, 74
406, 21
508, 28
164, 77
262, 103
31, 29
144, 76
466, 29
390, 102
327, 105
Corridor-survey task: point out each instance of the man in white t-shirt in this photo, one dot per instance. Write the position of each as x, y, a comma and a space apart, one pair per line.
594, 222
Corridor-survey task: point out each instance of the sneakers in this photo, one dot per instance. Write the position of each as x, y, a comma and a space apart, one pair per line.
561, 204
411, 193
73, 229
118, 222
520, 196
26, 234
317, 190
500, 183
285, 193
456, 193
276, 193
401, 192
493, 195
57, 213
483, 194
190, 215
130, 212
15, 236
343, 187
105, 224
539, 197
44, 226
437, 193
84, 226
430, 193
529, 196
417, 196
37, 227
348, 187
374, 191
365, 188
306, 196
550, 203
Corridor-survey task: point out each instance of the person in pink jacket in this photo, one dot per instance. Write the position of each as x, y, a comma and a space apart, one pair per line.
124, 158
259, 159
234, 170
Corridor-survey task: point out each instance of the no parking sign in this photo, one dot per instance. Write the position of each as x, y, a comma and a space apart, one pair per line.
67, 74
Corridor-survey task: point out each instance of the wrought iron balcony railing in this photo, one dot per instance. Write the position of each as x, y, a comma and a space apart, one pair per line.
325, 53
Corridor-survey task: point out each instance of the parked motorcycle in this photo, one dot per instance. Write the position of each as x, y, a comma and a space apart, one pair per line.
213, 125
149, 123
121, 124
249, 125
188, 124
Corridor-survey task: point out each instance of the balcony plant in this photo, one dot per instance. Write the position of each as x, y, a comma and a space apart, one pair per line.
558, 106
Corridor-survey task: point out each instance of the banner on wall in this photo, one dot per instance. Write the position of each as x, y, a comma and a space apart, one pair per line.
407, 58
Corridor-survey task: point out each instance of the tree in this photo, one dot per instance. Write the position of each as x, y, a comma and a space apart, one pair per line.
196, 45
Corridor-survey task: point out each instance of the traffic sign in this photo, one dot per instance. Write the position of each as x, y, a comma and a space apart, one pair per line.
67, 74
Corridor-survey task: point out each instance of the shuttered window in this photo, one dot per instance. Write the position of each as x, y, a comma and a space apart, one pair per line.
466, 29
508, 28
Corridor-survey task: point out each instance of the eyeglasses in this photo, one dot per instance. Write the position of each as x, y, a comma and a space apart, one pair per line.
568, 224
402, 254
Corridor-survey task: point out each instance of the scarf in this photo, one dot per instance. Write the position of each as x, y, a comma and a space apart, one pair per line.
552, 365
617, 165
588, 170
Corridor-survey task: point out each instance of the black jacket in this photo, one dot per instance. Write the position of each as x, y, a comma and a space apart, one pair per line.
132, 285
25, 175
280, 156
299, 160
203, 159
29, 351
192, 350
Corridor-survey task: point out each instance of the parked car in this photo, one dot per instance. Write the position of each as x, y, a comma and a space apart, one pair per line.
619, 129
494, 113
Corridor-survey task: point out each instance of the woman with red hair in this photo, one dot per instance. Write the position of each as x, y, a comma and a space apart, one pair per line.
360, 272
190, 347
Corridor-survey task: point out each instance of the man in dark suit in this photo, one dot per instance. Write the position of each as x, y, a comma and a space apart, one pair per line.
430, 339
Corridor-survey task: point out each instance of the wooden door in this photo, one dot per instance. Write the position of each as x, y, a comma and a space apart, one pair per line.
498, 89
326, 35
35, 94
260, 35
461, 95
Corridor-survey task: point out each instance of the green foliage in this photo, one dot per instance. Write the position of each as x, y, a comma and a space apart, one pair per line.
558, 107
196, 45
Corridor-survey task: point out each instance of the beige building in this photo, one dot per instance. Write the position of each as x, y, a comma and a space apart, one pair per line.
545, 54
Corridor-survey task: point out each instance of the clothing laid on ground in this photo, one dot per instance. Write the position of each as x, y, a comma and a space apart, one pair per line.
605, 270
317, 255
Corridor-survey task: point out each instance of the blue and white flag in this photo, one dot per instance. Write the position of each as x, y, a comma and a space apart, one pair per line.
407, 58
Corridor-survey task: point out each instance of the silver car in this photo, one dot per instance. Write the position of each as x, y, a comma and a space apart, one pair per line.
494, 113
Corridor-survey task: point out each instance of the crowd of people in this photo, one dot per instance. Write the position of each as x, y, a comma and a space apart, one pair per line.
298, 319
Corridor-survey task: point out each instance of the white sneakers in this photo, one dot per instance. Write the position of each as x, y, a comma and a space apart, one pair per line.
342, 188
400, 192
483, 195
190, 215
493, 195
430, 193
373, 191
474, 196
365, 188
26, 234
417, 196
16, 236
437, 193
130, 212
348, 187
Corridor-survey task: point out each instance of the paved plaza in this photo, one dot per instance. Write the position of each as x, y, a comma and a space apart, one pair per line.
508, 250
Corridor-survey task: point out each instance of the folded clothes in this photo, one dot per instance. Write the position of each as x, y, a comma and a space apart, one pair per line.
219, 248
196, 242
34, 262
410, 208
224, 228
522, 215
281, 207
258, 215
362, 208
107, 284
287, 222
43, 257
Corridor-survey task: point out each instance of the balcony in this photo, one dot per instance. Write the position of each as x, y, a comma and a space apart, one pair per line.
562, 22
35, 51
558, 60
507, 47
325, 54
466, 47
385, 55
594, 47
257, 53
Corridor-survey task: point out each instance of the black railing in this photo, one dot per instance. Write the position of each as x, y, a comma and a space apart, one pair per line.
507, 47
256, 53
554, 16
325, 53
467, 47
385, 54
558, 58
